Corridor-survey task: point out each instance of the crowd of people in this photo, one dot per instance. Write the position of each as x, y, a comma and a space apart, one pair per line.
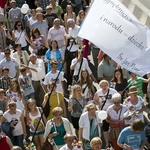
48, 97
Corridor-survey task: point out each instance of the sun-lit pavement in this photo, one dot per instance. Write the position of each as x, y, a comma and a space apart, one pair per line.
140, 9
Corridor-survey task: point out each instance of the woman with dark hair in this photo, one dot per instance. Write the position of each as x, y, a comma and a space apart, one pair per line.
53, 54
19, 36
22, 57
37, 42
53, 100
119, 83
86, 83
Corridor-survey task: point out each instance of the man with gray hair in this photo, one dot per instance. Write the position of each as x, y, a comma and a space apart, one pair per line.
73, 29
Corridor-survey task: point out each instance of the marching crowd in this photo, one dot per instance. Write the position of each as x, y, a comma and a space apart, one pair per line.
48, 98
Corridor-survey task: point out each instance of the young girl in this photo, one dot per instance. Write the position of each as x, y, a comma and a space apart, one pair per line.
15, 94
26, 83
33, 115
76, 105
87, 86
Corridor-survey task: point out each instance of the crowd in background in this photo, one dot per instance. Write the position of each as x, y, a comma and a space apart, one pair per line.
47, 84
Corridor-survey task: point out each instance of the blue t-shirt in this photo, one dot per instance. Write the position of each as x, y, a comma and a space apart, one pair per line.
131, 138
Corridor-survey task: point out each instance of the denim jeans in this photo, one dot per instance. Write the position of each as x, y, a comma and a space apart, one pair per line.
28, 97
18, 140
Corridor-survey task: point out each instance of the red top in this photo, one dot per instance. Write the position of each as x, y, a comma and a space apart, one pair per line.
3, 143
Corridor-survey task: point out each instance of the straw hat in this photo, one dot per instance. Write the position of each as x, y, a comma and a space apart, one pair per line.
133, 89
12, 1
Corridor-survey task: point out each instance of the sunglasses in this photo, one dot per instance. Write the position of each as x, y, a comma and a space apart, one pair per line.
19, 24
7, 53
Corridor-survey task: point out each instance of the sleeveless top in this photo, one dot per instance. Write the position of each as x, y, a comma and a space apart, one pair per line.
3, 144
34, 121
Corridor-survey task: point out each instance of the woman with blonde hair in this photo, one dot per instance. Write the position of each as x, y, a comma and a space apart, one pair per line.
57, 127
33, 115
69, 14
76, 105
96, 143
15, 94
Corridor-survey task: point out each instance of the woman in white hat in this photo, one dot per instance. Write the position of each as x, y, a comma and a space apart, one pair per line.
135, 104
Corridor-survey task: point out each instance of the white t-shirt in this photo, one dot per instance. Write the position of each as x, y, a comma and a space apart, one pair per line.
15, 118
15, 97
114, 115
84, 65
103, 96
51, 77
137, 106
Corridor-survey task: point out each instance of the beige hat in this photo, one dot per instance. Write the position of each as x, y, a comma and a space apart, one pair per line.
133, 89
1, 112
12, 1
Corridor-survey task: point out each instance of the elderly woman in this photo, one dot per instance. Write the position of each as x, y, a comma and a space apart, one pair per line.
89, 126
116, 119
16, 120
103, 98
57, 127
96, 143
135, 106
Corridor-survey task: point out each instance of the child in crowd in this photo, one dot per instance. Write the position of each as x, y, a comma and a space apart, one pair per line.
26, 83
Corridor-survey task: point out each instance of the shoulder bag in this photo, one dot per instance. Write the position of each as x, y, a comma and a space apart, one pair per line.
76, 77
105, 100
46, 109
115, 131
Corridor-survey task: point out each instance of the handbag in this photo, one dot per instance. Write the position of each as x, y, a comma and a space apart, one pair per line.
115, 131
76, 77
47, 145
105, 100
42, 51
10, 42
46, 109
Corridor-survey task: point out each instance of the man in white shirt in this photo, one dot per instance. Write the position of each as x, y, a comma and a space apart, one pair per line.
11, 64
75, 65
73, 29
52, 75
38, 73
14, 14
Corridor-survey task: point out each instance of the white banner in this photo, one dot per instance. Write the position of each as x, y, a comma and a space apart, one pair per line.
111, 27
